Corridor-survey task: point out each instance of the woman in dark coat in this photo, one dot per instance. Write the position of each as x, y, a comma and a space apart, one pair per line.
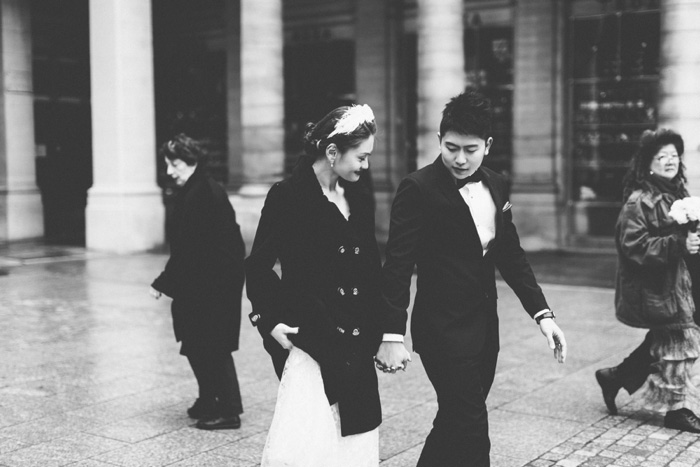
653, 288
204, 276
318, 320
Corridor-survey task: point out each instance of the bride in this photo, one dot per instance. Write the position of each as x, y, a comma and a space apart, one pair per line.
319, 320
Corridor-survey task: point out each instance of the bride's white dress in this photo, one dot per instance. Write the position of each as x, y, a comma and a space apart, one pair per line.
305, 429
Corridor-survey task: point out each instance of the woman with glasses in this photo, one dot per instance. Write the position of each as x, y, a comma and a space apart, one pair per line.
653, 287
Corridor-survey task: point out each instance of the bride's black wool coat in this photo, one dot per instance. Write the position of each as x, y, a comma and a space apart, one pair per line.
329, 287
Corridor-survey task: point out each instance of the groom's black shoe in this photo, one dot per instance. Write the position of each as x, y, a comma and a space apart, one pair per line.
202, 408
682, 419
220, 423
610, 384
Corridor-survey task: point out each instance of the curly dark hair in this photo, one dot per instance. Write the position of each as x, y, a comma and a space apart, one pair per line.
316, 138
649, 145
184, 148
468, 113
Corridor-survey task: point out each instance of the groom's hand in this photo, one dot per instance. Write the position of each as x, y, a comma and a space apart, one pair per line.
392, 356
555, 338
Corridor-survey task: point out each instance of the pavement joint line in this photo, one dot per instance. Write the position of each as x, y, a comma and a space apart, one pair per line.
633, 438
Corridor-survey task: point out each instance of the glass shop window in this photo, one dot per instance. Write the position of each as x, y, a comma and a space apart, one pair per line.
613, 52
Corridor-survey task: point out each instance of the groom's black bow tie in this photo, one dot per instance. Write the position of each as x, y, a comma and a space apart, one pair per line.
473, 178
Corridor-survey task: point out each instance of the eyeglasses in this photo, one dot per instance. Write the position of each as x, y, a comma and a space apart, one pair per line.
664, 158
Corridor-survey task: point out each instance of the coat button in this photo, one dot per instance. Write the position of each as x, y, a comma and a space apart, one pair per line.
357, 250
255, 318
341, 291
356, 332
341, 249
341, 330
355, 291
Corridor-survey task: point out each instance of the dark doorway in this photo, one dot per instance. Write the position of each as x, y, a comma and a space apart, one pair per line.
319, 75
189, 57
61, 74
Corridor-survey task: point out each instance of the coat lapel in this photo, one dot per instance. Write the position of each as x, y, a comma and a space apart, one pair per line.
449, 189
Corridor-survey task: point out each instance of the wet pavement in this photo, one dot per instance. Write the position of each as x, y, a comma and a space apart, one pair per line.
90, 376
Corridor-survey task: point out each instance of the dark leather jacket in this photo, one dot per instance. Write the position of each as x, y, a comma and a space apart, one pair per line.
653, 286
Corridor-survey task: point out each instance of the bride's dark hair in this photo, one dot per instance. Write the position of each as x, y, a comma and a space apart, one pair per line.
316, 138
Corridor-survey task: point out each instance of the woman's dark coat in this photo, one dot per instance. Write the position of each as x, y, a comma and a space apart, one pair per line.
204, 275
653, 283
329, 288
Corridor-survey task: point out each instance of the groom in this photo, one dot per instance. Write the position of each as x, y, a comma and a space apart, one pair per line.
453, 220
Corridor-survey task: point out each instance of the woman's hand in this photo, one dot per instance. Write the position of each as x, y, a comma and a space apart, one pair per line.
692, 243
281, 333
155, 294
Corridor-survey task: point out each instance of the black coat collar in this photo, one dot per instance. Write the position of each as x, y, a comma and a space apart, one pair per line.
200, 173
306, 185
451, 191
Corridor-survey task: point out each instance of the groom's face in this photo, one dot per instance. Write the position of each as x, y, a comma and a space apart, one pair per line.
463, 154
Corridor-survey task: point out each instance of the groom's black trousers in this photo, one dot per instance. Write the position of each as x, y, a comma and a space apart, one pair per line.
460, 437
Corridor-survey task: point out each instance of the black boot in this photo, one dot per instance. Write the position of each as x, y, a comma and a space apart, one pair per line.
682, 419
610, 383
220, 423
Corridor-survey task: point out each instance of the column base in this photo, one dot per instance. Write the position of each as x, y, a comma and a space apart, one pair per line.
124, 222
21, 215
248, 203
535, 217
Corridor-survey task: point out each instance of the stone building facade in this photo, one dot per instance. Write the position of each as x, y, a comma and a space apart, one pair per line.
92, 87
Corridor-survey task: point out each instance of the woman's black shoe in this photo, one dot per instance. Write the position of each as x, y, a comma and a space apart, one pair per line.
202, 408
682, 419
609, 383
220, 423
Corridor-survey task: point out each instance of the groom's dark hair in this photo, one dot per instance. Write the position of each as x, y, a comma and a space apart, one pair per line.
468, 113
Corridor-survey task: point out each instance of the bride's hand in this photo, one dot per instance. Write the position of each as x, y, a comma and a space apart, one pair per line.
281, 332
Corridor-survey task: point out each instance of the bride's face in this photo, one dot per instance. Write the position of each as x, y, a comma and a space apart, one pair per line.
350, 164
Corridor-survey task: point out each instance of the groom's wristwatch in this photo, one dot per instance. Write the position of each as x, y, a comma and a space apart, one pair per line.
548, 314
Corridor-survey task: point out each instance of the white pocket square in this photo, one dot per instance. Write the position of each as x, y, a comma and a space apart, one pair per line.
506, 206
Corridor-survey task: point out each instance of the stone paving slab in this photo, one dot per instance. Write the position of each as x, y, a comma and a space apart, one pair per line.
91, 377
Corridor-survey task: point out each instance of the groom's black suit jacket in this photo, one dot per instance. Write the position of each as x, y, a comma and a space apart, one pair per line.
432, 227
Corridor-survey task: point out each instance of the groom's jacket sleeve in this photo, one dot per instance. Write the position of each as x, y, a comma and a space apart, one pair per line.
402, 249
515, 269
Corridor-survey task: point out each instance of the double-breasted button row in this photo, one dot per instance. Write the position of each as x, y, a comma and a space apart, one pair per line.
354, 332
354, 291
342, 249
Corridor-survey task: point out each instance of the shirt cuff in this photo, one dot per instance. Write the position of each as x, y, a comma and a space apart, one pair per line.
392, 338
541, 313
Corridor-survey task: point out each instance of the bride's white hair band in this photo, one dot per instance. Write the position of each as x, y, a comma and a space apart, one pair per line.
352, 119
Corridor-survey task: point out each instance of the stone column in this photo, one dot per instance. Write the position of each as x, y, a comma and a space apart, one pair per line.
679, 90
21, 214
125, 211
262, 91
537, 132
233, 94
262, 108
378, 81
440, 68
